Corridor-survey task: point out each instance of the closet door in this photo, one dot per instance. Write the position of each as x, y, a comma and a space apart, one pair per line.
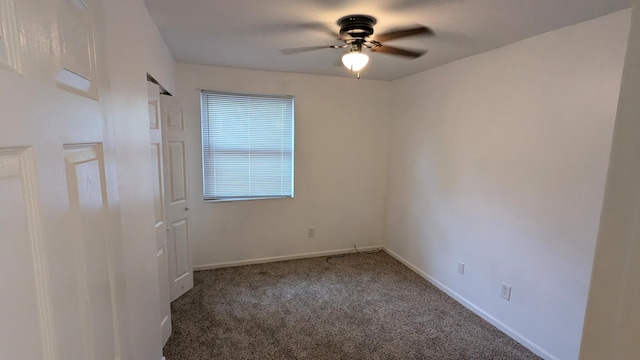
177, 195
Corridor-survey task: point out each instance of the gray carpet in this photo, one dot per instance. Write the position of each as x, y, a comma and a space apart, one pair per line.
360, 306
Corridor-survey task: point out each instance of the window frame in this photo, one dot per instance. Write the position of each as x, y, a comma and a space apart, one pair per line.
205, 146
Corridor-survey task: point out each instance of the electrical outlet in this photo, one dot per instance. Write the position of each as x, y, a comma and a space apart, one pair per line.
311, 232
461, 268
505, 292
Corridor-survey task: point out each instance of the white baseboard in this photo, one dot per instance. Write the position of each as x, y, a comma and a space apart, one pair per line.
469, 305
281, 258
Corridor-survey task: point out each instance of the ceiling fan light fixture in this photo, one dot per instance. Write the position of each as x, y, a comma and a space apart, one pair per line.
355, 60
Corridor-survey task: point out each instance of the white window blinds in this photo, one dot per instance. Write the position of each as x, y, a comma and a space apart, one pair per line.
247, 145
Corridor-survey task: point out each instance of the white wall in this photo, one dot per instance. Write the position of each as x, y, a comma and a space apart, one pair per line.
612, 321
499, 161
134, 48
340, 169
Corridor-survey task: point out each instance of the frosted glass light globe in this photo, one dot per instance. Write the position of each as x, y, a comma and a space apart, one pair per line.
355, 60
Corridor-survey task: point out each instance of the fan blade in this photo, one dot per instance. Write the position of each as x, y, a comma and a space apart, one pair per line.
321, 28
417, 4
392, 35
306, 48
397, 51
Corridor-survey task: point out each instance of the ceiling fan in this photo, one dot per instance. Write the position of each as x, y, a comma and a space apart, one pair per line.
356, 32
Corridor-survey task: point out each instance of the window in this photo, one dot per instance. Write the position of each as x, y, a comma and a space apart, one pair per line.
247, 145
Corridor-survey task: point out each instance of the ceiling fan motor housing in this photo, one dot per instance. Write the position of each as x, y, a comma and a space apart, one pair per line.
357, 26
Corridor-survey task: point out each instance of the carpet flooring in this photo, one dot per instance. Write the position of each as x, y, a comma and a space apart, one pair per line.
358, 306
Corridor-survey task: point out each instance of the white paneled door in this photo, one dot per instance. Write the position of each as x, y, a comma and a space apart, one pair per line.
58, 263
177, 197
160, 223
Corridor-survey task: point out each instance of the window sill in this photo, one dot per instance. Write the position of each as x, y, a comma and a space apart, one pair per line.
246, 199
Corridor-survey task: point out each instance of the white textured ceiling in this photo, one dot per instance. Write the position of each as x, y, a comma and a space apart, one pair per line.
249, 33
